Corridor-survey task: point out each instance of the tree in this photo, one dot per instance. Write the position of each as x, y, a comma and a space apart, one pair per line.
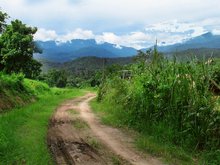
56, 78
17, 48
3, 18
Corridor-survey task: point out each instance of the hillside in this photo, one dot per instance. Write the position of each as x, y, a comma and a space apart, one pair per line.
94, 63
82, 64
199, 53
16, 91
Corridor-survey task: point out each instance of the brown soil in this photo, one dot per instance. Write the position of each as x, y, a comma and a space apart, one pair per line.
76, 136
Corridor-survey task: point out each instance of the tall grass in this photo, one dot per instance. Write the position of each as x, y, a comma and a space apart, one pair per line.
170, 100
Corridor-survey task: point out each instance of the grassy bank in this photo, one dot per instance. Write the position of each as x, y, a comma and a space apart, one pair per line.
23, 130
16, 91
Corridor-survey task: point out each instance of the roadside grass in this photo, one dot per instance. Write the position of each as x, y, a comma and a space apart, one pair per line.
23, 131
112, 115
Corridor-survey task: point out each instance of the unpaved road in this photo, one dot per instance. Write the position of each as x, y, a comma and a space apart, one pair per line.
90, 142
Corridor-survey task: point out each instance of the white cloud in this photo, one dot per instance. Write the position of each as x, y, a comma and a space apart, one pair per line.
76, 34
108, 37
216, 31
121, 22
108, 15
45, 35
176, 27
166, 33
171, 32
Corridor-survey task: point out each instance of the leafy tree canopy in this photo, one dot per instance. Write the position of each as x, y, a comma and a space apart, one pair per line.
17, 48
3, 17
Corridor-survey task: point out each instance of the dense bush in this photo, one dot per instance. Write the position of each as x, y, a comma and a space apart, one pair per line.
170, 99
13, 82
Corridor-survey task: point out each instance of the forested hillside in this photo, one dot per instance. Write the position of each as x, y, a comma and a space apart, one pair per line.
190, 54
84, 71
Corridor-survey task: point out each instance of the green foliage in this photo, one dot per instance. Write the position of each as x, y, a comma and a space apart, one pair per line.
55, 78
87, 71
16, 91
3, 18
17, 48
174, 95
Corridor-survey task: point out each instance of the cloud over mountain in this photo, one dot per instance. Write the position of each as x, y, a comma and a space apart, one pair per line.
116, 16
167, 33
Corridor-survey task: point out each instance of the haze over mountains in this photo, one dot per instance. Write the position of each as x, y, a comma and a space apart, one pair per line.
63, 52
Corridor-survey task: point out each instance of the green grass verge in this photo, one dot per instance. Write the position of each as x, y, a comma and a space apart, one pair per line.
112, 115
23, 130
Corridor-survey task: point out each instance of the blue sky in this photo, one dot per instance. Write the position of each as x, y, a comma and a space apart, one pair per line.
135, 23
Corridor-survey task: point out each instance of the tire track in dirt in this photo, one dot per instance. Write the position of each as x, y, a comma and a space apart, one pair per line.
113, 138
69, 145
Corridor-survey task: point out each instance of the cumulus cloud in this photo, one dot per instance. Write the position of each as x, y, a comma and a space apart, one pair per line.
121, 22
216, 31
47, 35
171, 32
109, 15
166, 33
176, 27
76, 34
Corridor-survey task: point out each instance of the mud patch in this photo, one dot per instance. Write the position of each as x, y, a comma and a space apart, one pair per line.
79, 153
71, 141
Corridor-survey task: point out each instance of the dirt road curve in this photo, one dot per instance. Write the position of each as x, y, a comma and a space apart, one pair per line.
71, 145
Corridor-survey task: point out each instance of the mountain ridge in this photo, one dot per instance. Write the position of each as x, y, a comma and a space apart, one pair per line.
206, 40
63, 52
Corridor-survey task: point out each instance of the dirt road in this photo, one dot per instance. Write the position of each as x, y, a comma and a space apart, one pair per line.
76, 136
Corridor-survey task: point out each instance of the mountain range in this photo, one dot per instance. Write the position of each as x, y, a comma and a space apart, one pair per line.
207, 40
63, 52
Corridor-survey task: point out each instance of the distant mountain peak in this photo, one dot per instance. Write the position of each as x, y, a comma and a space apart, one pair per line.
207, 35
206, 40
